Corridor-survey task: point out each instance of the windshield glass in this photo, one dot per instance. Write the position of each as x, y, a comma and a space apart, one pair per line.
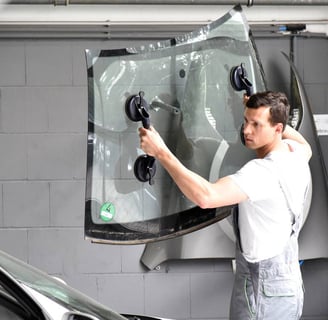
183, 88
55, 289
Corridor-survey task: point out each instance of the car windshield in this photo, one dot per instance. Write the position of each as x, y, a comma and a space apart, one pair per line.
54, 289
185, 87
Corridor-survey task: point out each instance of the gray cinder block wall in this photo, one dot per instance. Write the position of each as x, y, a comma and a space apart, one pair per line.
43, 130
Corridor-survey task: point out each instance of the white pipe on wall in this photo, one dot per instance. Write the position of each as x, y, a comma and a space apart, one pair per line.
170, 2
110, 21
317, 28
156, 14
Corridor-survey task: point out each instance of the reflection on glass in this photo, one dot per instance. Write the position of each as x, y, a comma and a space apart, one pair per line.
191, 102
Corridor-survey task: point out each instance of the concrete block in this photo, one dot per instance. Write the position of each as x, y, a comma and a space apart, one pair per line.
68, 109
12, 64
79, 65
131, 259
67, 203
57, 250
42, 110
86, 283
49, 64
50, 249
13, 157
57, 156
210, 294
93, 258
26, 204
37, 109
121, 292
14, 109
190, 266
168, 295
14, 242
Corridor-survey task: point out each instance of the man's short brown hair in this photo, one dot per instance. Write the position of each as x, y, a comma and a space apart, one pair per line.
276, 101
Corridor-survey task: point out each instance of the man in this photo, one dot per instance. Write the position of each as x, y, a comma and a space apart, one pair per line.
270, 192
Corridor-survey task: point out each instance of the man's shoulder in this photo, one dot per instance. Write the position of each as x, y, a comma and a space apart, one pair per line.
258, 165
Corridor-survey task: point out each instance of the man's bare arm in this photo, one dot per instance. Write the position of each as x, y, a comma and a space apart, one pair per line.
197, 189
292, 134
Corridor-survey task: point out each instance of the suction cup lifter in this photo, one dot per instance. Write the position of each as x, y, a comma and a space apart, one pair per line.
239, 81
136, 109
145, 168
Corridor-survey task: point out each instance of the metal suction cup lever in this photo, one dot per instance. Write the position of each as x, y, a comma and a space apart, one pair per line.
136, 108
239, 81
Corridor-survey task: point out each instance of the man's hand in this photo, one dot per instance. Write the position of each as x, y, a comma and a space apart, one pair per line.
197, 189
245, 99
151, 142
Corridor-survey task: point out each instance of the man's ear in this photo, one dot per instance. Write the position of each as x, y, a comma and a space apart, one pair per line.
279, 128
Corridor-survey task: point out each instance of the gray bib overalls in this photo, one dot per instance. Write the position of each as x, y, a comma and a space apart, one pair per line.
271, 289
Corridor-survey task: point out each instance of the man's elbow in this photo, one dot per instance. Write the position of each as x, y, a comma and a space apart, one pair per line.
205, 202
201, 202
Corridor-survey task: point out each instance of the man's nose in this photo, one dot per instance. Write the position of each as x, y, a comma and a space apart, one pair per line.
246, 128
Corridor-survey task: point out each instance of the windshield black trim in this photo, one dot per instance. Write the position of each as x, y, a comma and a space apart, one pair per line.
141, 232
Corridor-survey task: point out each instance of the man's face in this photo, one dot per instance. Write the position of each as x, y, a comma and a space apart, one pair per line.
258, 131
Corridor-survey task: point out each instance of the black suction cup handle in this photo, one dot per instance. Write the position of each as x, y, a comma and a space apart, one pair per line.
145, 119
142, 108
239, 81
249, 87
136, 108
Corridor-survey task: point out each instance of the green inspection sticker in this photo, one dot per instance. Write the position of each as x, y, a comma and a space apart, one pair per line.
107, 211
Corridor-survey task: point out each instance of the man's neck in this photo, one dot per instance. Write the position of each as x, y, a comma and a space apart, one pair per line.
278, 145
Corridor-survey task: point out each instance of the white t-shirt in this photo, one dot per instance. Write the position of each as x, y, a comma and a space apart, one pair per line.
265, 218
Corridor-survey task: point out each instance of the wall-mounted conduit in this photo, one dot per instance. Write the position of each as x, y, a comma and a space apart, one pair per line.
171, 2
91, 19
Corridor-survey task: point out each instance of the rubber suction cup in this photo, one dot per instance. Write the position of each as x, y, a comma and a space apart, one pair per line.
239, 81
136, 108
145, 168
